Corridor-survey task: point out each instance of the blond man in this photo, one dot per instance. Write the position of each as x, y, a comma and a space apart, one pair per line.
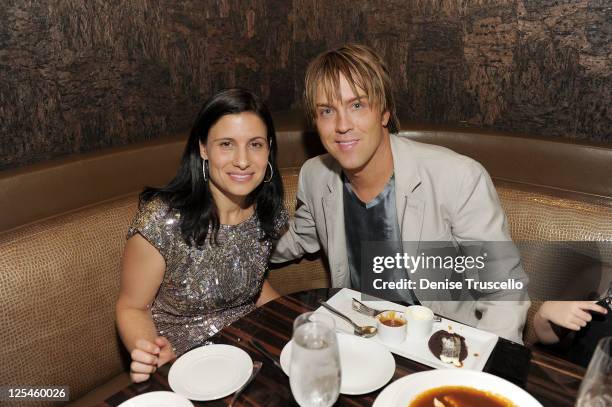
376, 186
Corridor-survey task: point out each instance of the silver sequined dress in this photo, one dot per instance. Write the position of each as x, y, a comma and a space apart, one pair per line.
204, 289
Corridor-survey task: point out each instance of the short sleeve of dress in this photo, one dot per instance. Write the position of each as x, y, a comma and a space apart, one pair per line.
152, 221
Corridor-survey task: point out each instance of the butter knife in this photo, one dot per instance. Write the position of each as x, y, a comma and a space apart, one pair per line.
256, 368
261, 349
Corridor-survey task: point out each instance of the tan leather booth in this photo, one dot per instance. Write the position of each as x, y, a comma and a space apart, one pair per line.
63, 227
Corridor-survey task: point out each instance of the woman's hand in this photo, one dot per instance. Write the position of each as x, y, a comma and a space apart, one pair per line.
570, 314
148, 356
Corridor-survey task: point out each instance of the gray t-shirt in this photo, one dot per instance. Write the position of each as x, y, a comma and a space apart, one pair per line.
375, 221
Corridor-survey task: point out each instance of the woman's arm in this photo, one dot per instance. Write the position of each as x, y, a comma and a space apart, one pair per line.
572, 315
142, 273
268, 293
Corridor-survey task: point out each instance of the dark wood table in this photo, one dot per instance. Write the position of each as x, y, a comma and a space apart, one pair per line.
553, 381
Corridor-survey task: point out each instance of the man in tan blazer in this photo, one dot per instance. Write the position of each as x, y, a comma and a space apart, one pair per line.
374, 185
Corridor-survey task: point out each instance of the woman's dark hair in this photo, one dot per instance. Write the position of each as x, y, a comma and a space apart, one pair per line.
189, 193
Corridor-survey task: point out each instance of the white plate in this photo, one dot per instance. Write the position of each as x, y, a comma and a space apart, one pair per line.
401, 392
366, 365
210, 372
157, 399
480, 343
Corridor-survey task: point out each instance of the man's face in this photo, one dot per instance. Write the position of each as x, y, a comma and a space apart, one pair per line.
351, 129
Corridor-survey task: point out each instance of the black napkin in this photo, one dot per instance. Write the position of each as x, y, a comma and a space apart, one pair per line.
510, 361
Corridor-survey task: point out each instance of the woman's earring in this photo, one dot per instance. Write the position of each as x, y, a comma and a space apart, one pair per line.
205, 169
271, 173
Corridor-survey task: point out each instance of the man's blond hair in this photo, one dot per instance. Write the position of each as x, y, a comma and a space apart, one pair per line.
362, 67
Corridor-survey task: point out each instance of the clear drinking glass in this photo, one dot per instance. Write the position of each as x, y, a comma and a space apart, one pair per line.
315, 361
596, 387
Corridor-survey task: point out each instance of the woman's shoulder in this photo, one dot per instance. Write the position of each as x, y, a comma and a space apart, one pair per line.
272, 226
155, 204
154, 208
152, 214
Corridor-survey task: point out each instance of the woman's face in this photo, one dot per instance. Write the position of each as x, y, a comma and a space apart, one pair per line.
237, 153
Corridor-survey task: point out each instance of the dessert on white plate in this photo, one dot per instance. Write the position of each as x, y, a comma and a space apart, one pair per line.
477, 344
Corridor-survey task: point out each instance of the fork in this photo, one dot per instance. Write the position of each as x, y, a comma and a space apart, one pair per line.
372, 312
364, 309
256, 368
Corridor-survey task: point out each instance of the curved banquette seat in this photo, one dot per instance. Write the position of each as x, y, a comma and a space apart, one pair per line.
63, 230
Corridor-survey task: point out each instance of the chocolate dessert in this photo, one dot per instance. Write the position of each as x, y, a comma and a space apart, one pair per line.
448, 347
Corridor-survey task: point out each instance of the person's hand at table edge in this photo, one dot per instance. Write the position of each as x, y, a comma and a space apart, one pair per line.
148, 356
572, 315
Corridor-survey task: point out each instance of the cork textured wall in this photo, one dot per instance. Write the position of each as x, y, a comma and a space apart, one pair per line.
77, 76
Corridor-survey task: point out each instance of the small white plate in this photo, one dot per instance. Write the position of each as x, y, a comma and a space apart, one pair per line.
401, 392
157, 399
366, 365
210, 372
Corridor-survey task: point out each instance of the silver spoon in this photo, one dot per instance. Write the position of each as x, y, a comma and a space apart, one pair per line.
366, 331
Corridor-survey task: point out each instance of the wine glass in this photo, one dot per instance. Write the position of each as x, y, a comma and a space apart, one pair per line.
596, 387
315, 361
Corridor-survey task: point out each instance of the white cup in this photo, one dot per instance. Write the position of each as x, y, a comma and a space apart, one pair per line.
419, 320
391, 327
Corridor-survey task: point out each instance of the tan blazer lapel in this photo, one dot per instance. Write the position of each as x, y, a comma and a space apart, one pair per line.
409, 201
411, 223
333, 211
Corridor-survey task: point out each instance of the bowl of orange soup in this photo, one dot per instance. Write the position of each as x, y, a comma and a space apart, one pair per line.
465, 388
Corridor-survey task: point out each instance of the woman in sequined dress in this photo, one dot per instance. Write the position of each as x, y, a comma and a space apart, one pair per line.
197, 250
